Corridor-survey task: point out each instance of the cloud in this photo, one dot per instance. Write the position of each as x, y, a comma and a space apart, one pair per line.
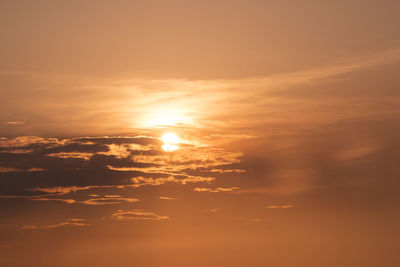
185, 159
216, 190
16, 150
136, 183
203, 103
6, 169
140, 140
95, 200
288, 206
69, 223
140, 181
65, 200
15, 123
75, 155
30, 227
119, 151
108, 200
35, 170
354, 152
60, 190
106, 162
213, 210
96, 165
166, 198
226, 170
137, 215
25, 141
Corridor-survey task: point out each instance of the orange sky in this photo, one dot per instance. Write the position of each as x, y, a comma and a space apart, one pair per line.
287, 115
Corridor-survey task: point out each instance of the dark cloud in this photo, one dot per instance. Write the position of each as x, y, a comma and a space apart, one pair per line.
54, 167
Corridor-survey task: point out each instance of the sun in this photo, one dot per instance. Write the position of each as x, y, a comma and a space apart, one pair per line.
171, 142
170, 138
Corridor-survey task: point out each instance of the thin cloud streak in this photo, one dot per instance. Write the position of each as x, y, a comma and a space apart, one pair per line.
197, 100
69, 223
216, 190
121, 215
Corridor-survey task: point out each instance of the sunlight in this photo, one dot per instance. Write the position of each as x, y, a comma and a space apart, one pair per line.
166, 117
170, 142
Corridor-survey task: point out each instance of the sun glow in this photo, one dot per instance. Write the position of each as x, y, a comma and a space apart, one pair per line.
171, 142
166, 117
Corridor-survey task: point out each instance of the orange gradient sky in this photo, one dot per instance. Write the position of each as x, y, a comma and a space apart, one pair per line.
199, 133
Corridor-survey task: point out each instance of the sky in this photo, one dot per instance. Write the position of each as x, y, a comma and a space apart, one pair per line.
199, 133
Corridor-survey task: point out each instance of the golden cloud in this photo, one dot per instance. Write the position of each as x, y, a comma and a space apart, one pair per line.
137, 215
216, 190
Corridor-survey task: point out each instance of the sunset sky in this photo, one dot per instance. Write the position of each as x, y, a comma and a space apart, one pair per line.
199, 133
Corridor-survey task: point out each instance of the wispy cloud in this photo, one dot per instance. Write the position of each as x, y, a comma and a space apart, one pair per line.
120, 151
136, 183
140, 181
166, 198
288, 206
137, 215
199, 103
150, 166
188, 157
214, 210
15, 123
6, 169
75, 155
68, 223
95, 200
61, 190
355, 152
24, 141
108, 200
226, 170
216, 190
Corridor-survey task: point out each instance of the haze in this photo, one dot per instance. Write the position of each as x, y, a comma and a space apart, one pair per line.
199, 133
